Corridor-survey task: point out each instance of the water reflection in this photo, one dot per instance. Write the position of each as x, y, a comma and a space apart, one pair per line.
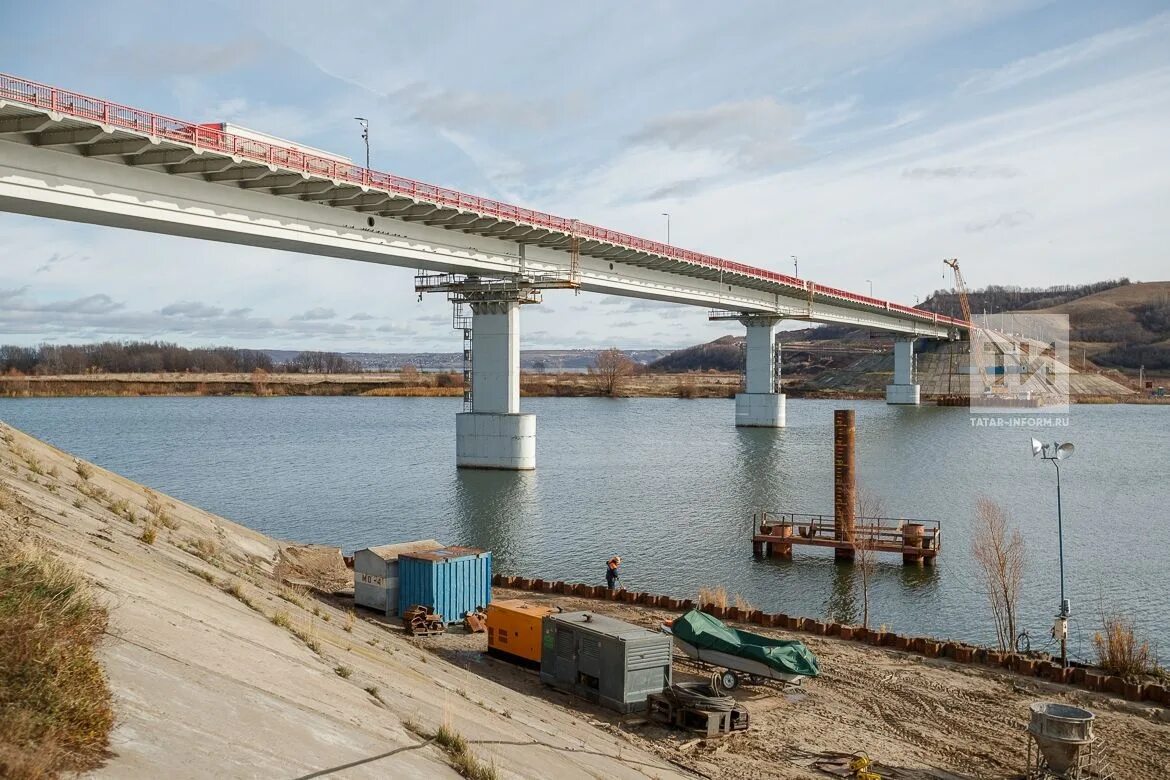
760, 474
843, 604
492, 510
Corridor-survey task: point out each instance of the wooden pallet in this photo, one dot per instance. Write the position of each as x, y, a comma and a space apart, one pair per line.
420, 621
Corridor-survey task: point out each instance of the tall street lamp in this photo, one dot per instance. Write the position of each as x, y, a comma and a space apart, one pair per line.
1056, 453
795, 268
365, 137
870, 281
667, 227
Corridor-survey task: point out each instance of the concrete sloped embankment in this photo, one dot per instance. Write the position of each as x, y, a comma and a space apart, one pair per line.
217, 671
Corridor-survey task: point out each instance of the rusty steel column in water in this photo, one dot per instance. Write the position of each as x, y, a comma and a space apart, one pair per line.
844, 479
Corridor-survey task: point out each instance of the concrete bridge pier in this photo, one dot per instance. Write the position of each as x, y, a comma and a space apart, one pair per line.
903, 391
762, 403
495, 434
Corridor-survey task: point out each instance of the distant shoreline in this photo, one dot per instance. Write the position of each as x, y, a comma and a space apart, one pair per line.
418, 385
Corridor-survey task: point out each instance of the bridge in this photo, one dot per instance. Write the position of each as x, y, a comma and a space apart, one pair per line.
64, 155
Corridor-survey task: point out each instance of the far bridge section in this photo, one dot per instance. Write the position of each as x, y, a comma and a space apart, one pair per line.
69, 156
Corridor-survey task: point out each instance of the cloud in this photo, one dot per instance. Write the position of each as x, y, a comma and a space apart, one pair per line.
361, 316
7, 295
394, 327
1007, 220
318, 313
962, 172
458, 108
90, 304
56, 257
192, 309
1045, 63
680, 188
749, 134
180, 58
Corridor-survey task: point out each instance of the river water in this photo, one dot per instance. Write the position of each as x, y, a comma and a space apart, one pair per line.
670, 485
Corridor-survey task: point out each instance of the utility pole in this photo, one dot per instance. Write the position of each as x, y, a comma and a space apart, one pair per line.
365, 137
1055, 453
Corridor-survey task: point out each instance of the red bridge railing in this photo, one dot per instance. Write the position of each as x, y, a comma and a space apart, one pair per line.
211, 138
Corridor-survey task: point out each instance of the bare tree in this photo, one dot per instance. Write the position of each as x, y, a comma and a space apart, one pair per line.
869, 507
1001, 564
610, 370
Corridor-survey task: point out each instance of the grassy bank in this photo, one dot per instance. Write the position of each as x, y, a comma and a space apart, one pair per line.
55, 704
398, 384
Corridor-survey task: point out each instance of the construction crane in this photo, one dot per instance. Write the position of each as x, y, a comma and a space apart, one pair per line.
961, 288
978, 358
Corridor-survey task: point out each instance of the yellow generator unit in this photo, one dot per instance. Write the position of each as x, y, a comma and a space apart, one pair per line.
514, 630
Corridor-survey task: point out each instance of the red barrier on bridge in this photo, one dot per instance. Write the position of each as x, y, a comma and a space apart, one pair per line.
209, 137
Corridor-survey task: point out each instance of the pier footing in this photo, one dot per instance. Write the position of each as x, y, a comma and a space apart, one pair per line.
902, 395
759, 410
488, 440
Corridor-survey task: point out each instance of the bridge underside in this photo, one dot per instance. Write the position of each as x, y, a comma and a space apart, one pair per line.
62, 167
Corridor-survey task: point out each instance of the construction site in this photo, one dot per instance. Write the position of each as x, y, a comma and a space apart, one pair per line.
219, 630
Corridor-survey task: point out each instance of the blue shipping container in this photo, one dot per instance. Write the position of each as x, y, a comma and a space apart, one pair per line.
451, 581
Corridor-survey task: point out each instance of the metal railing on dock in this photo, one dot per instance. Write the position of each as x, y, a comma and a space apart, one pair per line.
775, 533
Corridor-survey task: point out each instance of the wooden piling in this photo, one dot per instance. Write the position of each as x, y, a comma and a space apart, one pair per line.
844, 481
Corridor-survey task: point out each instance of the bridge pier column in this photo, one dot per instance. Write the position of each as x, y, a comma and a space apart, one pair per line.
903, 391
495, 434
761, 405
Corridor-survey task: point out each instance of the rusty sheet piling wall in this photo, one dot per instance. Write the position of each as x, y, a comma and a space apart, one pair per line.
844, 478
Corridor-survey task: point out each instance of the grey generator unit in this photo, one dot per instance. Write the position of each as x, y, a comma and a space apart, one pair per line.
605, 660
375, 574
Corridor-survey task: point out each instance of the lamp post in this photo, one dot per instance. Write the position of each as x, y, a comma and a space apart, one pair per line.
795, 267
1055, 453
365, 137
667, 227
870, 287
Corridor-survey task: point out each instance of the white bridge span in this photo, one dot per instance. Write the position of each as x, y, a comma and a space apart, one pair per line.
69, 156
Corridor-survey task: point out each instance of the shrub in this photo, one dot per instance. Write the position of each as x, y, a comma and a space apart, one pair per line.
343, 672
450, 739
280, 618
716, 597
56, 704
83, 469
205, 548
293, 595
1119, 650
236, 590
149, 534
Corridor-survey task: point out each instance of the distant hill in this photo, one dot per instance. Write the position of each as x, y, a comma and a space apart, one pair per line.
998, 298
1114, 324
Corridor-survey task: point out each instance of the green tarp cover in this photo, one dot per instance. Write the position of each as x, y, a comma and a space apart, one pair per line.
787, 656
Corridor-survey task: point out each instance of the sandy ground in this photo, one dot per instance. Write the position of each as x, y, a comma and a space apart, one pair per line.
208, 686
928, 718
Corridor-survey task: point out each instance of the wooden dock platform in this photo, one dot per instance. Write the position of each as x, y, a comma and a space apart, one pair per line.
917, 541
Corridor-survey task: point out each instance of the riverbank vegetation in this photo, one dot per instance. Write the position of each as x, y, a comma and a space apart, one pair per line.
1000, 554
55, 704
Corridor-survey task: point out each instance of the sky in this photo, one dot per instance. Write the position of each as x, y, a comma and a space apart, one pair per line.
871, 140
